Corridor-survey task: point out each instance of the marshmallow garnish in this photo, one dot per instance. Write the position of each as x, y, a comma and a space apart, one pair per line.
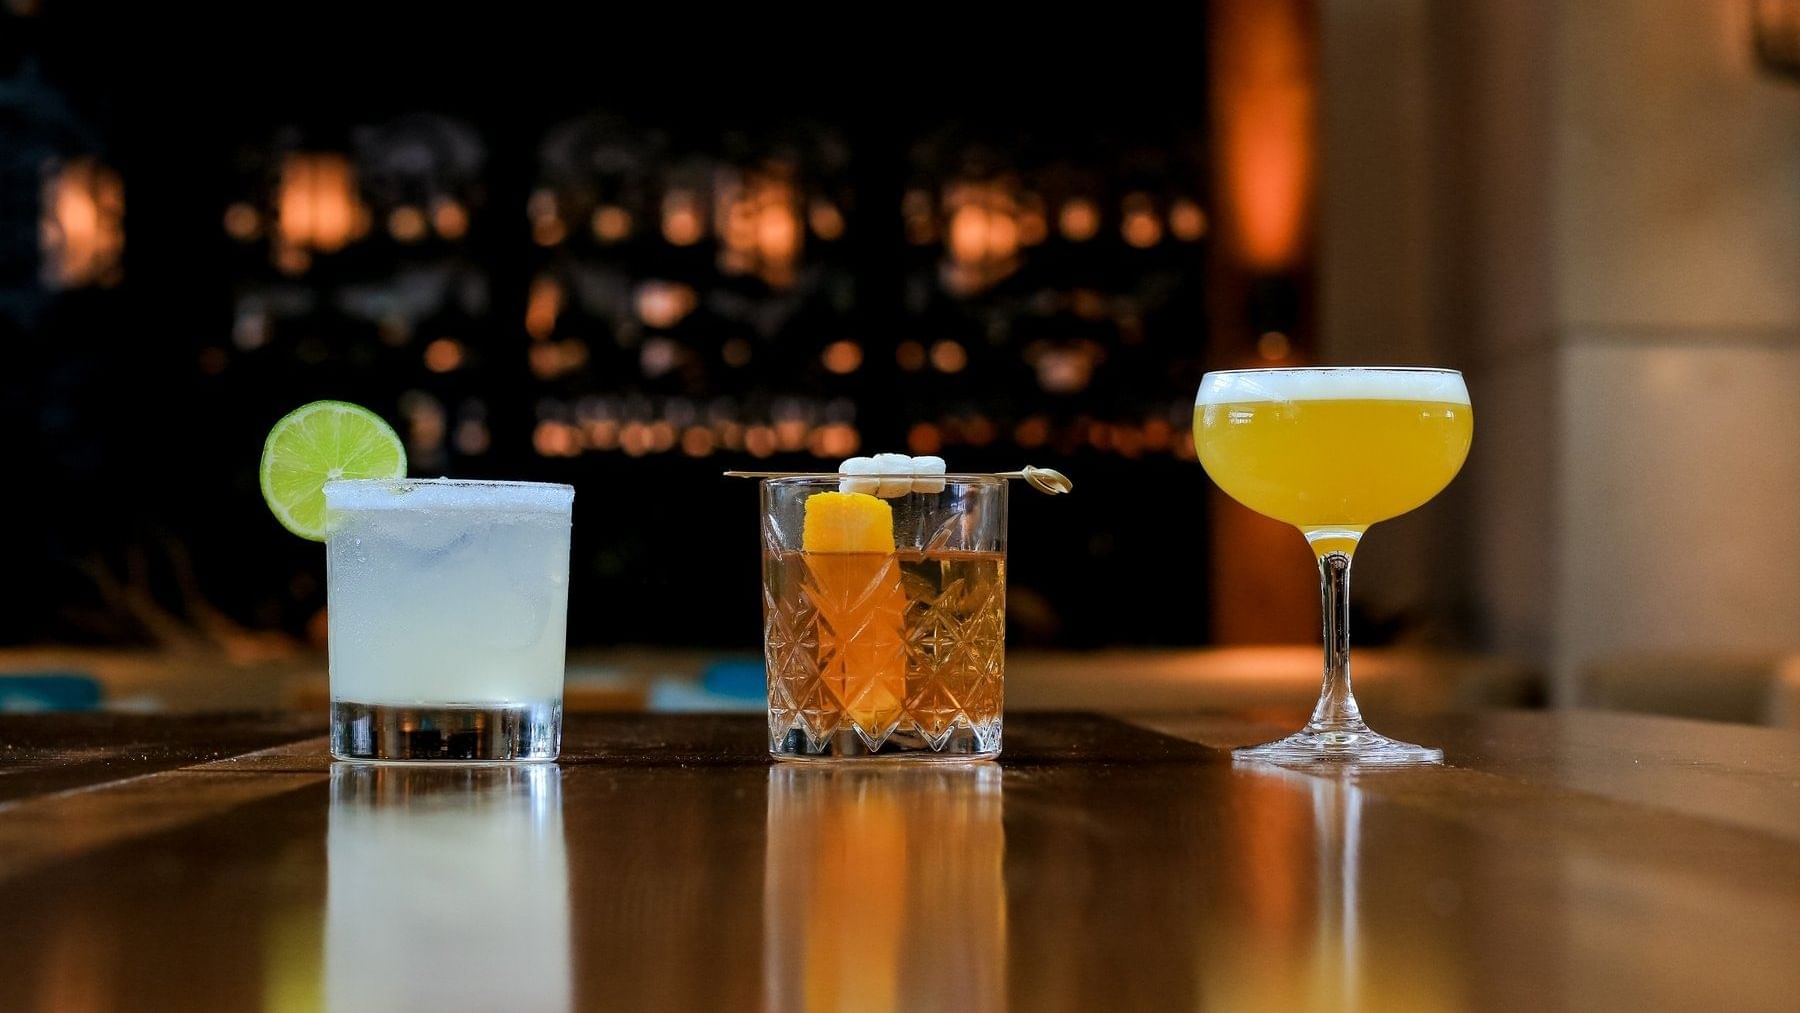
900, 475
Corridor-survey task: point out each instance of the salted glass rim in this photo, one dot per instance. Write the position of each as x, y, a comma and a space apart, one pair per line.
509, 496
1331, 369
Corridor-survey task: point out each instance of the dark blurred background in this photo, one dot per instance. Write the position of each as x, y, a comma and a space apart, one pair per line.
597, 269
629, 253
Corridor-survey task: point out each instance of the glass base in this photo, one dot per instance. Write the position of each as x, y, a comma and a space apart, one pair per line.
961, 745
1359, 746
453, 734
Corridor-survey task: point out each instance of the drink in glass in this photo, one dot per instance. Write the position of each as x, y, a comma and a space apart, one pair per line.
1333, 451
448, 605
884, 618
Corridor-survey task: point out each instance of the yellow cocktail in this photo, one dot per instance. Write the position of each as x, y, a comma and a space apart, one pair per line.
1332, 451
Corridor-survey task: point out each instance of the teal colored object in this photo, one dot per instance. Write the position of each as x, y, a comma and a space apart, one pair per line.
685, 697
739, 679
52, 692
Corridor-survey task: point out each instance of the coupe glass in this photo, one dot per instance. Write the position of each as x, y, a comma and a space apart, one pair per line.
1333, 450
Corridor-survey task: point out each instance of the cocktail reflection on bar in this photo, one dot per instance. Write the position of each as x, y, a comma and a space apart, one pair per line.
884, 888
447, 889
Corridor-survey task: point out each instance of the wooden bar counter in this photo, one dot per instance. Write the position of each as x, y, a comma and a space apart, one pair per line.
1562, 861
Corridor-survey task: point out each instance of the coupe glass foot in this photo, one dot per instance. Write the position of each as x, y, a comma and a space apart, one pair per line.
1360, 746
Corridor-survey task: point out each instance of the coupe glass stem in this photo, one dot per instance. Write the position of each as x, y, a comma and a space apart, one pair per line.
1336, 710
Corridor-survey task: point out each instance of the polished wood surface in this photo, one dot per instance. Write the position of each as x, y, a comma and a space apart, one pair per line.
1562, 861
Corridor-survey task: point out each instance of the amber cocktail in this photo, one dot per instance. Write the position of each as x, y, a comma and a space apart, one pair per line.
885, 617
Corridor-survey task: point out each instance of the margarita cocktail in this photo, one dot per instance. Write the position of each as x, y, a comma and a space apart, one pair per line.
447, 601
448, 608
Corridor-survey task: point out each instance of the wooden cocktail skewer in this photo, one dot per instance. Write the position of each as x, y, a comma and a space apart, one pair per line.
1045, 480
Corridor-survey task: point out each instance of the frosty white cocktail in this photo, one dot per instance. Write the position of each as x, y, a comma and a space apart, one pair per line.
448, 604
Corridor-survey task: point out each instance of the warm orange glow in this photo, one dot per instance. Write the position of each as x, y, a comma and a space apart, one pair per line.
1064, 369
551, 359
979, 431
968, 234
1157, 434
1272, 820
1264, 104
1141, 227
662, 436
1127, 440
1034, 228
542, 307
984, 234
734, 216
736, 352
949, 357
916, 212
424, 420
242, 223
317, 206
663, 304
760, 441
1186, 221
837, 440
450, 219
924, 438
791, 434
83, 225
1032, 433
758, 221
406, 224
556, 439
842, 357
1079, 220
697, 441
548, 231
1273, 346
611, 223
443, 355
602, 434
826, 220
292, 259
682, 221
910, 355
635, 439
777, 233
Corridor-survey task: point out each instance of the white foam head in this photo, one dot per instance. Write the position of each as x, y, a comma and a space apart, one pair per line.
448, 494
1335, 383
